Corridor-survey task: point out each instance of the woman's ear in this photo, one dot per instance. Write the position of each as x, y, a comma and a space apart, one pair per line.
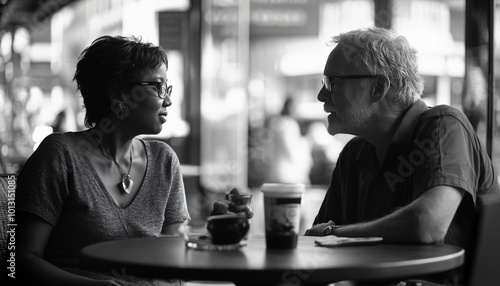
115, 94
119, 109
380, 88
118, 106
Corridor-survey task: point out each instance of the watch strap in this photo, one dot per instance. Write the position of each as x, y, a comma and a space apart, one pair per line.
330, 230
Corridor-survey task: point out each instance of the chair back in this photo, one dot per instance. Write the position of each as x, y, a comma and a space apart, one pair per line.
485, 258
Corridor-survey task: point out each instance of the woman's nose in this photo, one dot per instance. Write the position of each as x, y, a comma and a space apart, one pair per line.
167, 101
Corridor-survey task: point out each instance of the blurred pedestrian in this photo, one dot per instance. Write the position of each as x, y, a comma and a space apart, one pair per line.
290, 158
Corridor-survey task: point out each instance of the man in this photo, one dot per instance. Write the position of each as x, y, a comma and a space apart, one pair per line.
412, 174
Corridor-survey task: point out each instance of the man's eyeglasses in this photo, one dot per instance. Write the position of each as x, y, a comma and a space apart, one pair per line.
329, 80
161, 87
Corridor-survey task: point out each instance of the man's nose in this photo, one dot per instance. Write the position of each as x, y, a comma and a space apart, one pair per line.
323, 94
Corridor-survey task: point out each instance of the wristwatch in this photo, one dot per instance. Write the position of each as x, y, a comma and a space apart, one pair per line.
330, 230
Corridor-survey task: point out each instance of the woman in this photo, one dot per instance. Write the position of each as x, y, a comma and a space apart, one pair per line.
101, 184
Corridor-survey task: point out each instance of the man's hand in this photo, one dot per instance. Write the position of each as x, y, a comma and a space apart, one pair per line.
317, 229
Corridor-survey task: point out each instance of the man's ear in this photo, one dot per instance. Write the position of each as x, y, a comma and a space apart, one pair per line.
380, 88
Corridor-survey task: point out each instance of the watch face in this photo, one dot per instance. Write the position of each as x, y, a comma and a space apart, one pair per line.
327, 230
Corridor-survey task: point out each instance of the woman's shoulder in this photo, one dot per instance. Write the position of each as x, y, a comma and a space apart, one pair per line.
52, 151
56, 141
158, 148
57, 136
58, 145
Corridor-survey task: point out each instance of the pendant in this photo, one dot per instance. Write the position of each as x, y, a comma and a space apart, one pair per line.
127, 183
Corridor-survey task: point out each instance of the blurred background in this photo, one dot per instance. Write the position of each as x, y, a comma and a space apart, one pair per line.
246, 74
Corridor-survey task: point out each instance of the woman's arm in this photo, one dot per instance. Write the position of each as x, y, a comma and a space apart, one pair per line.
34, 233
171, 229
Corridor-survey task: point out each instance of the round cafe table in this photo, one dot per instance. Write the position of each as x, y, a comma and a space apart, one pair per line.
253, 264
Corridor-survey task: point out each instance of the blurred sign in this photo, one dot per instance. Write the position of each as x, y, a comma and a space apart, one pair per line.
268, 18
173, 29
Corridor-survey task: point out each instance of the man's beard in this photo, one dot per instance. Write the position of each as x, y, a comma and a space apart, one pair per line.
352, 120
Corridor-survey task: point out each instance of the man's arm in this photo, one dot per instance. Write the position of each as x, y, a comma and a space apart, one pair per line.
425, 220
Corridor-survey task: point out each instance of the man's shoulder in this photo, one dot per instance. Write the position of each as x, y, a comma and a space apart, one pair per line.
443, 110
444, 116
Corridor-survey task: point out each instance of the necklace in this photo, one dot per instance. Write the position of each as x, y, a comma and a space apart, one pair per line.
127, 183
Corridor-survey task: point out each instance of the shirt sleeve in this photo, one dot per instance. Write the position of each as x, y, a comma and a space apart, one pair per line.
448, 153
176, 210
41, 187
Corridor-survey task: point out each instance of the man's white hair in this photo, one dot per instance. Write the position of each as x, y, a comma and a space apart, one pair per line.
379, 51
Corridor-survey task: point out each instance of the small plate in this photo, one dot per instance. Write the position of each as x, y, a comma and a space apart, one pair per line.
203, 242
333, 240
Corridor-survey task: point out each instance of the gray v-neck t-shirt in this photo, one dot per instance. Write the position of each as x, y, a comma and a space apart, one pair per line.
59, 184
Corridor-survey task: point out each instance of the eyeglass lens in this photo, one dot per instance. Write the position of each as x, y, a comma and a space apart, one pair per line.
327, 84
168, 89
164, 90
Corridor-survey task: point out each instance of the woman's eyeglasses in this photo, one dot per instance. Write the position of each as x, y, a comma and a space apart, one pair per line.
161, 87
328, 81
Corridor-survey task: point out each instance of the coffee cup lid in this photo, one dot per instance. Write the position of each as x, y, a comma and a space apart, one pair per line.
280, 189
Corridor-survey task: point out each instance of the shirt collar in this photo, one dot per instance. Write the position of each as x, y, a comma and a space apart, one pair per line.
404, 132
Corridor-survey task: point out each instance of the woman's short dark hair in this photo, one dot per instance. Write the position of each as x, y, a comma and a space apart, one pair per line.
105, 68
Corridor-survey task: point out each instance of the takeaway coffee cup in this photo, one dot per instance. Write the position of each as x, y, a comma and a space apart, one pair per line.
282, 214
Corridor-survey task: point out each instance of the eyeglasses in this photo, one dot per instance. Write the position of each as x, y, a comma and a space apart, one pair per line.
161, 87
329, 80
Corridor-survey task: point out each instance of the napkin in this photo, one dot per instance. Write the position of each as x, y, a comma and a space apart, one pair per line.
332, 240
